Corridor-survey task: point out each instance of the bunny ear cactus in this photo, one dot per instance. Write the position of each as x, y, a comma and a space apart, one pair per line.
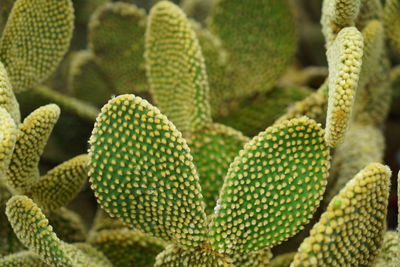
142, 170
34, 231
59, 185
266, 34
345, 60
351, 230
34, 40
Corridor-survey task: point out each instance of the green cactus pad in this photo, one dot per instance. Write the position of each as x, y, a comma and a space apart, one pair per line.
345, 60
351, 230
61, 184
272, 188
254, 114
214, 148
87, 81
8, 137
35, 39
7, 97
176, 256
32, 137
127, 248
389, 255
176, 68
22, 259
391, 20
32, 228
142, 170
338, 14
116, 37
266, 34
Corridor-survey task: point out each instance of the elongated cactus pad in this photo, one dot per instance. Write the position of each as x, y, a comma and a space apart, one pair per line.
213, 149
336, 15
8, 137
127, 248
176, 256
142, 170
32, 137
116, 38
350, 232
61, 184
7, 97
345, 60
32, 228
35, 39
266, 34
370, 9
176, 68
22, 259
391, 20
272, 188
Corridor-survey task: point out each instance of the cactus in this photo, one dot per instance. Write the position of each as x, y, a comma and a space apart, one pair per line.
30, 47
32, 228
345, 59
351, 230
162, 155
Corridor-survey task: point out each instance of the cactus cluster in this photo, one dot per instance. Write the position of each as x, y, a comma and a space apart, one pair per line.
212, 146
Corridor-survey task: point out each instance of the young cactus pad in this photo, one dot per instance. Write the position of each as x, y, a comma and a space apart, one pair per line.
142, 172
181, 90
344, 58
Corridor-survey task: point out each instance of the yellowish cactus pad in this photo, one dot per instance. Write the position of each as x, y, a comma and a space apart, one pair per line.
32, 228
35, 39
272, 188
176, 68
350, 232
142, 172
61, 184
32, 137
345, 60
